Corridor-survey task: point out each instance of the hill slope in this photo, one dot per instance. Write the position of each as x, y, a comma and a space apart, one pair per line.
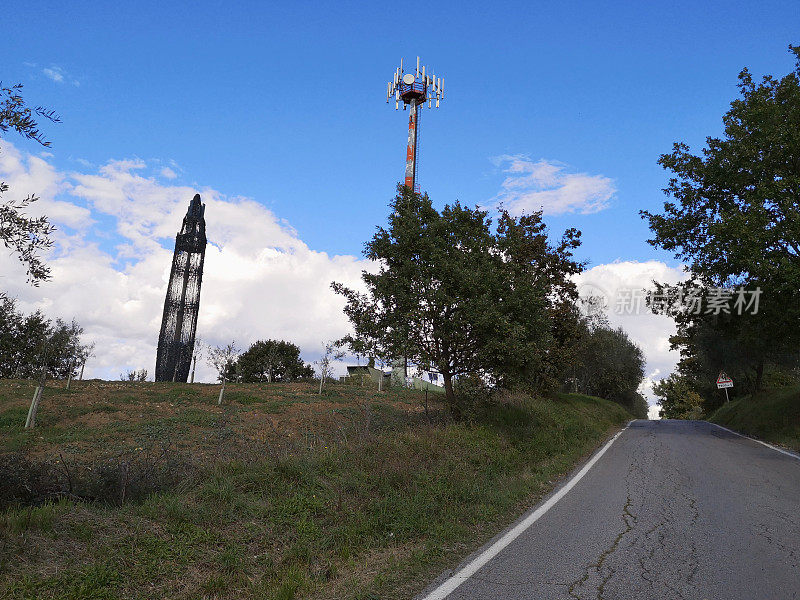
155, 491
771, 415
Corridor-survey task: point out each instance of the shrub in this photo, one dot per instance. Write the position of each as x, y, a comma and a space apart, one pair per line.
128, 477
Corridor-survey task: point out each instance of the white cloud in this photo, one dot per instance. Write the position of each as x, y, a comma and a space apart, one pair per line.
54, 73
34, 176
620, 286
168, 173
260, 280
59, 75
546, 185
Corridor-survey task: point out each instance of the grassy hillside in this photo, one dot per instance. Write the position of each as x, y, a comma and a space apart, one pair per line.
160, 493
771, 415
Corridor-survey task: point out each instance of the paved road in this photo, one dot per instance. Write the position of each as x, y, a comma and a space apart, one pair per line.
673, 509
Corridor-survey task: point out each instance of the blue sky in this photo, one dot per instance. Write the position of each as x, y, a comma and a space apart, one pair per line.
283, 104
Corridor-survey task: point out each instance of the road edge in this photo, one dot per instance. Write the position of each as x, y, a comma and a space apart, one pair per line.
752, 439
449, 580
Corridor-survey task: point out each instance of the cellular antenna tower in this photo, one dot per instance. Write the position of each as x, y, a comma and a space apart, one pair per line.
414, 90
178, 325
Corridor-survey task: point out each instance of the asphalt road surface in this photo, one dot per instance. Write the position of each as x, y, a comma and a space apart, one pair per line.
672, 510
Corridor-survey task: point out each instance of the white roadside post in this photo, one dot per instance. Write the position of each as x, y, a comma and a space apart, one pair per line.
723, 383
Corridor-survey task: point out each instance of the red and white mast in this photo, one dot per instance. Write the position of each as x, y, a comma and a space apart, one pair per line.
414, 90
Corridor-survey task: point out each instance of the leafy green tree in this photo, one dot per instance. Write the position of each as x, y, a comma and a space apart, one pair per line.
25, 236
434, 299
678, 398
539, 301
736, 212
65, 349
451, 294
272, 360
33, 345
10, 324
734, 221
611, 366
636, 404
709, 343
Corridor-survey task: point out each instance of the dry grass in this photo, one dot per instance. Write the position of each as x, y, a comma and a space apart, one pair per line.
122, 413
352, 495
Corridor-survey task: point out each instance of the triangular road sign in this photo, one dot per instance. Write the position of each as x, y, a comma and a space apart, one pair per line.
723, 381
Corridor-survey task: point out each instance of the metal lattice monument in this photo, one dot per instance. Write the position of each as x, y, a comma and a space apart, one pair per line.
414, 90
179, 323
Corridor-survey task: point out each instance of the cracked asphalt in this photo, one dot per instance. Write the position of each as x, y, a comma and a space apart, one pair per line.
673, 510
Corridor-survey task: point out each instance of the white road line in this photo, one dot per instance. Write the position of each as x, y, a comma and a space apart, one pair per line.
449, 585
747, 437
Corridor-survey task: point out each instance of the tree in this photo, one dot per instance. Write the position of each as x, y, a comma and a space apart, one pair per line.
36, 347
736, 214
223, 358
434, 297
678, 398
82, 356
610, 365
452, 294
32, 344
325, 363
272, 360
735, 221
55, 351
538, 276
10, 320
199, 348
710, 341
25, 236
136, 375
636, 404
